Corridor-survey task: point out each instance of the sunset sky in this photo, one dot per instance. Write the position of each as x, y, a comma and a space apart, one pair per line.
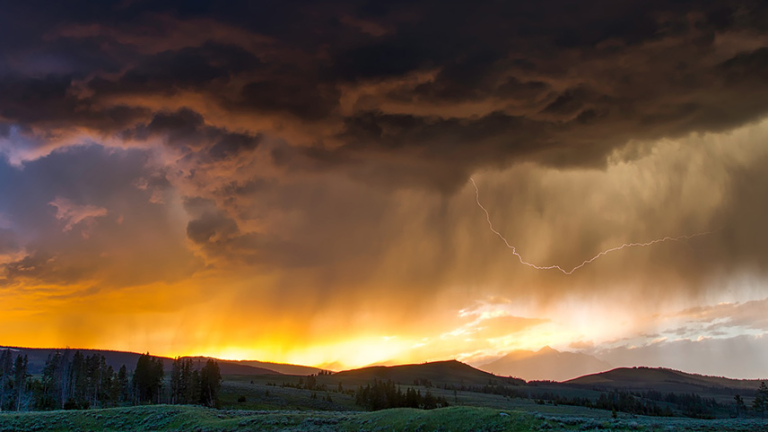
289, 181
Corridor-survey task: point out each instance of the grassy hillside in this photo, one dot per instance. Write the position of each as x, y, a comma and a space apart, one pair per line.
337, 391
660, 379
176, 418
237, 368
438, 373
457, 419
283, 368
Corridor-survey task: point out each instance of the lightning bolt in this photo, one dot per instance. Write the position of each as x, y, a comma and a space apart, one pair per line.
568, 272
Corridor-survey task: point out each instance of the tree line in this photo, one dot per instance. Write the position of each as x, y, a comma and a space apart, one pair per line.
385, 394
651, 402
13, 379
76, 381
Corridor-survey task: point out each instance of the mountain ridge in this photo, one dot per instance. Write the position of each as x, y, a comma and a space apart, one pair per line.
545, 364
438, 373
446, 372
644, 378
38, 356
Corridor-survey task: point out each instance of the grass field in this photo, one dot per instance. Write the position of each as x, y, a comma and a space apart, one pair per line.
259, 394
273, 403
458, 419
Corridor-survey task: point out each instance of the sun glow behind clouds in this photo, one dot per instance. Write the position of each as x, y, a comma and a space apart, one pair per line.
358, 352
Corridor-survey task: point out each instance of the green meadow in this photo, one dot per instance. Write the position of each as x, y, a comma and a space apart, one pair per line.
451, 419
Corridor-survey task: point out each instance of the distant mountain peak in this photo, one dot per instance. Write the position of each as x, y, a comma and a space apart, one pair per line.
438, 373
546, 364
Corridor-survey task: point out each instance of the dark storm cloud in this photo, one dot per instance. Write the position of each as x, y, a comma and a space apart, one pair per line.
208, 223
48, 101
186, 68
187, 128
553, 71
399, 94
438, 146
305, 100
42, 267
309, 162
747, 67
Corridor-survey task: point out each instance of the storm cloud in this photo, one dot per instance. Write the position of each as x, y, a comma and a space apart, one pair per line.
311, 163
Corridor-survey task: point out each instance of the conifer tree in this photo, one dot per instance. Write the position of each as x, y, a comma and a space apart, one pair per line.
20, 379
210, 383
148, 379
760, 403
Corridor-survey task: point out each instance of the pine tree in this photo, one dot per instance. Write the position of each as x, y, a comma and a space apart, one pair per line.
190, 383
20, 379
210, 383
122, 385
760, 403
51, 392
148, 379
177, 385
740, 406
77, 389
6, 378
194, 394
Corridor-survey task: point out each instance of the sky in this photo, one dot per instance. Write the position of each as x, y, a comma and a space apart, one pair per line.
302, 182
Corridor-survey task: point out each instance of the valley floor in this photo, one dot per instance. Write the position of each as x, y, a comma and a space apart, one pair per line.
459, 419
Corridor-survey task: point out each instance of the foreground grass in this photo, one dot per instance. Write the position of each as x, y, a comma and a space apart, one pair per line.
458, 419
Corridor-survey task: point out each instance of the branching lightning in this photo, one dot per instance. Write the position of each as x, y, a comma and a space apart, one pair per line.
557, 267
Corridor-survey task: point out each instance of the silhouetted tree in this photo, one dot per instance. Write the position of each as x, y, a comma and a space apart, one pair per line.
210, 383
384, 394
185, 382
50, 390
6, 378
83, 382
177, 384
311, 382
740, 406
761, 399
148, 379
194, 392
20, 380
122, 386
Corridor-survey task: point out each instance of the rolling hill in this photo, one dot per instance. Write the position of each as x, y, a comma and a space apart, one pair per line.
660, 379
38, 356
229, 367
545, 364
439, 373
283, 368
